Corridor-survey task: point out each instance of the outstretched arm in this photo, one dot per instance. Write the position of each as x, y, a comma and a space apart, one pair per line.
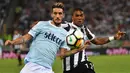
20, 40
101, 41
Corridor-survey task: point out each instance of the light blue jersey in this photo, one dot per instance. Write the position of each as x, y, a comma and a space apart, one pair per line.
47, 39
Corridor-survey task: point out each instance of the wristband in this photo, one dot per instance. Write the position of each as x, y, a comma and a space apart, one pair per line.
111, 38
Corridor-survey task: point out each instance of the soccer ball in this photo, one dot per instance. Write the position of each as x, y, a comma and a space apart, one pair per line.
75, 39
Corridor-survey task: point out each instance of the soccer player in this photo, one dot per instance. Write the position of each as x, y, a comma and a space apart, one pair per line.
17, 48
48, 38
78, 62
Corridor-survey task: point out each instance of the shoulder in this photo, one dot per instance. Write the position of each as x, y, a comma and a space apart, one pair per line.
43, 22
63, 31
67, 26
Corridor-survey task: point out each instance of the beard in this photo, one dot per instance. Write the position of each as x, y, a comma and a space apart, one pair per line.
57, 24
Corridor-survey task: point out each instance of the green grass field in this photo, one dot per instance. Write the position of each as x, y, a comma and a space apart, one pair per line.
103, 64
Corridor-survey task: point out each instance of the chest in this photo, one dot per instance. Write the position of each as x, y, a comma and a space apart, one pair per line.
52, 35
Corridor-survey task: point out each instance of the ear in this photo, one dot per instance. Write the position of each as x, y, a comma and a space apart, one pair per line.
63, 15
52, 15
72, 18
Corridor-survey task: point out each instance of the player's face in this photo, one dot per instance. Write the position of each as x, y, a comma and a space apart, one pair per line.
57, 15
78, 18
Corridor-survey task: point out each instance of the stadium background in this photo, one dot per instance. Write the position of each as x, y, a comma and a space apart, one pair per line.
103, 18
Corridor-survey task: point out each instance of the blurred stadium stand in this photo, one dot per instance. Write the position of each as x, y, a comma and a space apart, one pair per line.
103, 17
4, 7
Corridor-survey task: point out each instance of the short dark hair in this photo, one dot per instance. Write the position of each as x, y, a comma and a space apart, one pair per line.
77, 9
58, 5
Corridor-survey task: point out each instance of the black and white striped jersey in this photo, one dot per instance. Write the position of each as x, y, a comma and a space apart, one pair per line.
73, 60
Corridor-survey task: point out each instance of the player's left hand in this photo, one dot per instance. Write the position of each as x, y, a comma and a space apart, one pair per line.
118, 35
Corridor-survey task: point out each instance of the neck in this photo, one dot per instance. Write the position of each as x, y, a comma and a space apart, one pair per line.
56, 24
78, 25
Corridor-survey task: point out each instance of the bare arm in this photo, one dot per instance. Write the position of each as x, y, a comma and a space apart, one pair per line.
65, 52
20, 40
101, 41
98, 40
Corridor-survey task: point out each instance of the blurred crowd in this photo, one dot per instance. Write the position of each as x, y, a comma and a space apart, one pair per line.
103, 17
3, 11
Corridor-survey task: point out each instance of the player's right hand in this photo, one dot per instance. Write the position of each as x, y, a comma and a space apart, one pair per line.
86, 44
8, 42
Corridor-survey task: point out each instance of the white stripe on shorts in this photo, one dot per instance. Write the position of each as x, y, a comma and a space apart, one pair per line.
35, 68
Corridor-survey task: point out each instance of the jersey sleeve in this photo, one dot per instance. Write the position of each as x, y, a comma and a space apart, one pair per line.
64, 45
90, 35
35, 29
